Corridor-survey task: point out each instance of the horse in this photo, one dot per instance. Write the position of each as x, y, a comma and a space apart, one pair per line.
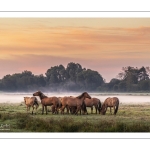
110, 102
58, 108
73, 109
47, 101
78, 102
93, 102
31, 102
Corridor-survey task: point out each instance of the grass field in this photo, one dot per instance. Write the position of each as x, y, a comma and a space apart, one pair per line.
130, 118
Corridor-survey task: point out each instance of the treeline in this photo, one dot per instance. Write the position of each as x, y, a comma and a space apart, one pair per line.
57, 78
131, 79
76, 78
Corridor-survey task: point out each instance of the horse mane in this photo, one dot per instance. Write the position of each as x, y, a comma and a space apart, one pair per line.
43, 96
80, 96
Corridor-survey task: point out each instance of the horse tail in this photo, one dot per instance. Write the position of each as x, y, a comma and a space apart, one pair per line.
116, 108
36, 102
59, 105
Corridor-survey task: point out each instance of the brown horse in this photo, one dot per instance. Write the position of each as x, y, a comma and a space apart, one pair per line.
93, 102
58, 108
31, 102
110, 102
47, 101
78, 102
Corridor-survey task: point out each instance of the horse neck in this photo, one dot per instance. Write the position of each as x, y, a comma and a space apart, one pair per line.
103, 107
81, 97
42, 96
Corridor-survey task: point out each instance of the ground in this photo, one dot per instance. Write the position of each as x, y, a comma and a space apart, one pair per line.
130, 118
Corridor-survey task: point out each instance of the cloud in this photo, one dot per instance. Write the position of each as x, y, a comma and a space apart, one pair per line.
71, 38
37, 48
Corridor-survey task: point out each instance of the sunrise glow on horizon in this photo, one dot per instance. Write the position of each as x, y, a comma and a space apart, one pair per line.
101, 44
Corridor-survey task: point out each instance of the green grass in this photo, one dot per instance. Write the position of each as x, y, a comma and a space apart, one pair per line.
130, 118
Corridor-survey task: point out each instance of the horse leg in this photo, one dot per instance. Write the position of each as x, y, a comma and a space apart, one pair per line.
110, 111
62, 109
67, 107
114, 109
42, 109
78, 108
106, 109
80, 111
36, 109
46, 109
27, 109
92, 110
56, 111
96, 108
32, 109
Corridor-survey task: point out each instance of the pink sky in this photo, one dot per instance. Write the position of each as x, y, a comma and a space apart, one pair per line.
101, 44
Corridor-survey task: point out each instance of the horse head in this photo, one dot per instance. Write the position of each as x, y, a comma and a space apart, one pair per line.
86, 95
25, 99
103, 110
38, 93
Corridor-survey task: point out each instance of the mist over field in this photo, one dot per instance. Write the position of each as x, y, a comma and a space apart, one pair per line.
135, 98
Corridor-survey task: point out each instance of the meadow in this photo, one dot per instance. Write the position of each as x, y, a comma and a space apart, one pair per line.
130, 118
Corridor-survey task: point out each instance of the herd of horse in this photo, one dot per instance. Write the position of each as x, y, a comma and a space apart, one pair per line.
74, 105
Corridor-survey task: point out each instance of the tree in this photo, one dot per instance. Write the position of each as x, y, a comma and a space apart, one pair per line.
143, 74
73, 70
90, 79
112, 83
56, 74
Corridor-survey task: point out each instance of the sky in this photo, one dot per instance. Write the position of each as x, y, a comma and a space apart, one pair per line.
101, 44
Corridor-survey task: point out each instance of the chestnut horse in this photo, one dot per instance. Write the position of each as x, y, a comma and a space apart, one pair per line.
47, 101
58, 108
93, 102
31, 102
110, 102
78, 102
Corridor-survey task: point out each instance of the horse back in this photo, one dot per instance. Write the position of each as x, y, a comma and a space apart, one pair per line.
110, 102
29, 101
88, 102
70, 101
96, 100
116, 100
48, 101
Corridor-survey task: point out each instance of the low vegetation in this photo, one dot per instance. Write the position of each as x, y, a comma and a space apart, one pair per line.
130, 118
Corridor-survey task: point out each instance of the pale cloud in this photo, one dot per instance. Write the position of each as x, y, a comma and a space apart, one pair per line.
55, 41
